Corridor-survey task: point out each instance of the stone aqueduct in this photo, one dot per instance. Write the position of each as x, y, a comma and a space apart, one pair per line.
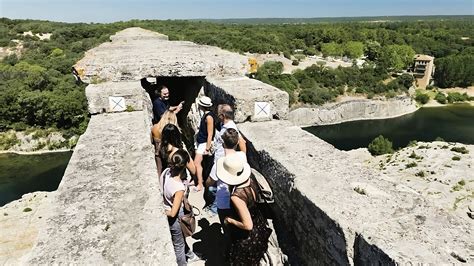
107, 209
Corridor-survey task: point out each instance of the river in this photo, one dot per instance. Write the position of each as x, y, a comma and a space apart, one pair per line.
451, 123
21, 174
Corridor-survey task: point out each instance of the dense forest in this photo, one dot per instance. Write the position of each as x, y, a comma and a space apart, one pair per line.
38, 90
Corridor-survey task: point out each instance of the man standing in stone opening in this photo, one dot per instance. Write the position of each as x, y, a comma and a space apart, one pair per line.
161, 105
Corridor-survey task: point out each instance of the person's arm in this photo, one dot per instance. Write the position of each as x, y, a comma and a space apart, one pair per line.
178, 198
177, 108
210, 130
246, 222
242, 146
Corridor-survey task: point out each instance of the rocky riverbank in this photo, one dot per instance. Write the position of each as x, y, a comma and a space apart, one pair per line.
359, 109
35, 142
441, 172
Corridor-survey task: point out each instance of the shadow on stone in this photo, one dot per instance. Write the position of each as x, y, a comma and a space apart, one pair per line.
210, 247
368, 254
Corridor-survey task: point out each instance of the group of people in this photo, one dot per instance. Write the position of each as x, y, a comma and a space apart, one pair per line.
245, 229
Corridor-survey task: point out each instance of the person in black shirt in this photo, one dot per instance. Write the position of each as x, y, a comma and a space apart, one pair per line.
161, 105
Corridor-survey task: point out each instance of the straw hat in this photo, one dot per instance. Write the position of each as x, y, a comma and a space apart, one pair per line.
233, 170
205, 101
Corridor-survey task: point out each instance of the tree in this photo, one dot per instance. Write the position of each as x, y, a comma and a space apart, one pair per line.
353, 49
453, 71
380, 145
271, 68
406, 80
396, 57
331, 49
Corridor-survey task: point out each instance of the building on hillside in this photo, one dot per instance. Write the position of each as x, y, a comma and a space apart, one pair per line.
423, 70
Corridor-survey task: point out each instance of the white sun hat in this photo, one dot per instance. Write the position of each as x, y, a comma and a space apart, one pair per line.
233, 170
205, 101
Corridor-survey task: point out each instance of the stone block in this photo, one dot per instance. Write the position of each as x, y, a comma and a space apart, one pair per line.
110, 97
253, 99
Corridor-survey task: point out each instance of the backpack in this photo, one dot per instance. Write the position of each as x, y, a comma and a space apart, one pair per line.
264, 197
265, 193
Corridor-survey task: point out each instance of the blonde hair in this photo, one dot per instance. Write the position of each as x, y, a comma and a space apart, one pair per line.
167, 118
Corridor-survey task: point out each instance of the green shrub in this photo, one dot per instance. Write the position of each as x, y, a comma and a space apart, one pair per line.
412, 143
456, 158
295, 62
411, 165
462, 150
8, 140
441, 98
457, 97
422, 98
380, 145
414, 156
27, 209
420, 174
459, 185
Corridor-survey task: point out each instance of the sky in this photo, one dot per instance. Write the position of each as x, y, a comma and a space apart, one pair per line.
123, 10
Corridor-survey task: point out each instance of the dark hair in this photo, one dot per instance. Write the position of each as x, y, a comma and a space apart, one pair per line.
230, 138
177, 163
169, 135
228, 114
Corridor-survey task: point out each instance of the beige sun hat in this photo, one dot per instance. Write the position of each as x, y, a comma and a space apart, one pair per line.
205, 101
233, 170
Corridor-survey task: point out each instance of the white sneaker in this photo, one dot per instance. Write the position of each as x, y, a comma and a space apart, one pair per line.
193, 258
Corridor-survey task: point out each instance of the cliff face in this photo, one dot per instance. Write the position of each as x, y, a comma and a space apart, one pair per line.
353, 110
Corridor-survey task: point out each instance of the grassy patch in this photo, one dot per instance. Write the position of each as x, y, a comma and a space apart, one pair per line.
410, 165
461, 198
459, 185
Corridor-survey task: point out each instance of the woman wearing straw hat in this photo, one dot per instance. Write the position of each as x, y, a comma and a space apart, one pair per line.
249, 233
204, 136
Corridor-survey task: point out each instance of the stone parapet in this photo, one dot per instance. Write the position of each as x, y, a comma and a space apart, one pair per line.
253, 99
337, 211
108, 207
116, 97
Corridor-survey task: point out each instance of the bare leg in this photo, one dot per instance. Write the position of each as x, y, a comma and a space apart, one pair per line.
198, 163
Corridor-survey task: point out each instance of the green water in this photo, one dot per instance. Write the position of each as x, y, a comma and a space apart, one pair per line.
21, 174
452, 123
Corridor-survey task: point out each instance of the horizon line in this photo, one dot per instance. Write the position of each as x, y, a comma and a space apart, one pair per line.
246, 18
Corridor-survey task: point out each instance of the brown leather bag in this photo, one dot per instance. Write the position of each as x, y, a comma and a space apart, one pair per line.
188, 220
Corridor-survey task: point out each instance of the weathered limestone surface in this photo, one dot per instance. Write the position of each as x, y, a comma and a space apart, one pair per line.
19, 228
98, 95
245, 92
331, 223
108, 207
134, 58
432, 173
352, 110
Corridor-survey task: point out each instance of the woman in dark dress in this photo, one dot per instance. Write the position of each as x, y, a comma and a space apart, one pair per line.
249, 231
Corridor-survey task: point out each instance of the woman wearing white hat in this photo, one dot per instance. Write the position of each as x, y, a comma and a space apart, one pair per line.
249, 233
204, 136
